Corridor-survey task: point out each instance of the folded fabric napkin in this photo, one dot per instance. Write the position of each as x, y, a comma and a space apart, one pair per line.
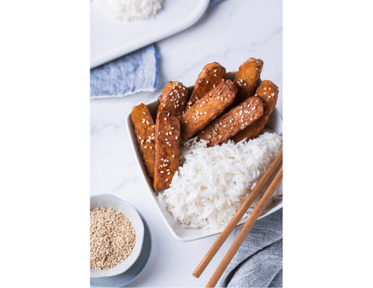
135, 72
132, 73
258, 262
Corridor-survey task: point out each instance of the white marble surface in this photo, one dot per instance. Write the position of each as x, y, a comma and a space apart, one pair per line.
231, 32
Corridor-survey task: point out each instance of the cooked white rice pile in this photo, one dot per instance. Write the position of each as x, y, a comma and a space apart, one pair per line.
213, 182
129, 9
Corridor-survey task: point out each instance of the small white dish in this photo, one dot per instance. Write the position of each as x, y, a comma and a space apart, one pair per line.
130, 212
111, 39
178, 231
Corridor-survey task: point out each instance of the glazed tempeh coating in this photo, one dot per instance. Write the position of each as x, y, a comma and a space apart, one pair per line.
145, 130
167, 134
207, 109
173, 99
247, 78
268, 92
211, 76
233, 121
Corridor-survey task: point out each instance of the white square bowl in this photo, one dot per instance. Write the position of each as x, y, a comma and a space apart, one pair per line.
178, 231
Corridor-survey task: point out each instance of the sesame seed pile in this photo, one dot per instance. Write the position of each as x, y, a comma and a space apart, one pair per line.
112, 238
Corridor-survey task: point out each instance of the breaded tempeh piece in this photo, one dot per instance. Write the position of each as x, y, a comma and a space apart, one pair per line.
145, 130
167, 134
173, 99
233, 121
207, 109
268, 92
247, 78
211, 76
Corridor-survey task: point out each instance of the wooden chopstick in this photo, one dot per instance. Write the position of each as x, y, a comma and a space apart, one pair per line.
246, 229
237, 217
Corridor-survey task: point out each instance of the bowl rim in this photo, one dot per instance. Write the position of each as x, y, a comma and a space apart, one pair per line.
130, 131
140, 232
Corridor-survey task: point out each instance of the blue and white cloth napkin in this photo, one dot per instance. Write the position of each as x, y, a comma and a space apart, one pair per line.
132, 73
258, 262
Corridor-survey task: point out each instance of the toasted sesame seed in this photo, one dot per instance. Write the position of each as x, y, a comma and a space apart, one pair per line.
110, 243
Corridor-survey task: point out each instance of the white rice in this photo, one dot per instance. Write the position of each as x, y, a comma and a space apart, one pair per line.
129, 10
213, 182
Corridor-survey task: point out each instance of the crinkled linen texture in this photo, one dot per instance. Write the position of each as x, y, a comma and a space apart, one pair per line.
258, 262
132, 73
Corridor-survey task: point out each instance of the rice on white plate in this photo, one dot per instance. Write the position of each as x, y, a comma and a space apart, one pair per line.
212, 183
129, 10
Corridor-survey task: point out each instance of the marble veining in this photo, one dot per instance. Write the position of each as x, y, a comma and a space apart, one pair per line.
231, 32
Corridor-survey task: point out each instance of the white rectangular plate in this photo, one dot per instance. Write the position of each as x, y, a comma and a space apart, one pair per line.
111, 39
179, 232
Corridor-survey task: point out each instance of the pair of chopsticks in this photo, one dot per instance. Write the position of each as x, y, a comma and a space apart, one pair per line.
237, 217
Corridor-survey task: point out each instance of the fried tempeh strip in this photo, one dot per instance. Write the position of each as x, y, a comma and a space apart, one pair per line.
247, 78
173, 99
167, 134
268, 92
233, 121
145, 129
211, 76
207, 109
